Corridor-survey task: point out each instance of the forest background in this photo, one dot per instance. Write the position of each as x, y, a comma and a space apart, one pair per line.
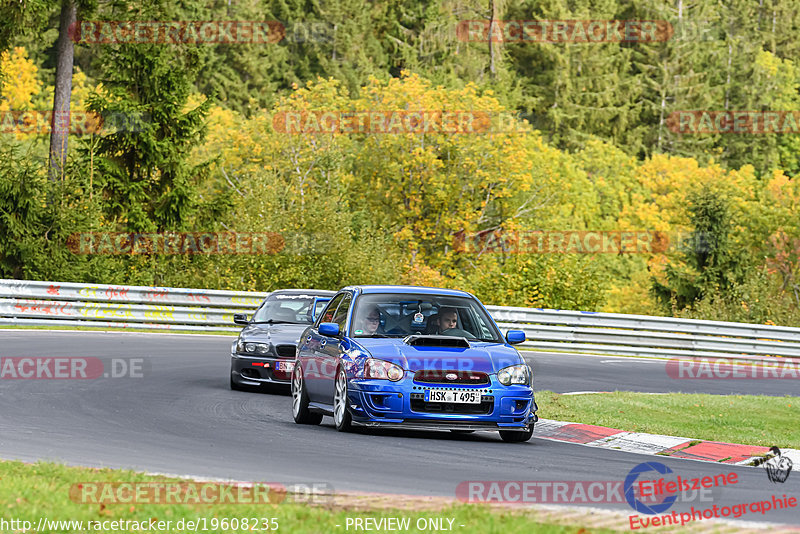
590, 150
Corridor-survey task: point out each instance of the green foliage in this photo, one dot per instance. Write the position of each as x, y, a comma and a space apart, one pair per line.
144, 167
595, 154
711, 264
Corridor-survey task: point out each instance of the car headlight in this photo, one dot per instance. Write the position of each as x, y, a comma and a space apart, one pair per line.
382, 370
252, 348
514, 374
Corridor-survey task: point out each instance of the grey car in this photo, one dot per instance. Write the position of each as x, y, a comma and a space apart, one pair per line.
263, 356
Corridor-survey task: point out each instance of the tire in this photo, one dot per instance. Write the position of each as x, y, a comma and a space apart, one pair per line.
341, 416
302, 415
515, 436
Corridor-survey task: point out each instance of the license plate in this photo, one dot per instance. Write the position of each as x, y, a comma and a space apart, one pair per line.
284, 366
458, 397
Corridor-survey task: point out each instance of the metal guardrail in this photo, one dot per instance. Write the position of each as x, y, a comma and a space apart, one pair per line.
112, 306
644, 335
132, 307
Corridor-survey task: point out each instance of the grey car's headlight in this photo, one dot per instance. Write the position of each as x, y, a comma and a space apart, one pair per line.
252, 348
514, 374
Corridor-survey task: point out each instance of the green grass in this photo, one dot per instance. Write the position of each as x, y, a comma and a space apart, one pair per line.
746, 419
31, 491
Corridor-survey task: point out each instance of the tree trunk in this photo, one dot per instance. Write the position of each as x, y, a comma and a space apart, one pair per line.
492, 46
60, 121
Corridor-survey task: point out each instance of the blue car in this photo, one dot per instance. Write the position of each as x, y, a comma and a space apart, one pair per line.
412, 357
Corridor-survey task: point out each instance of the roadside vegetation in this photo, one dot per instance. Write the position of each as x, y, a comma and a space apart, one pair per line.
32, 491
587, 149
745, 419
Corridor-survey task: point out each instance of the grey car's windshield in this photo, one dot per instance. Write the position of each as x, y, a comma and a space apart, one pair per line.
400, 315
289, 309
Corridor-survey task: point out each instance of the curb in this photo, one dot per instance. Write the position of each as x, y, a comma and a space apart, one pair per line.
656, 444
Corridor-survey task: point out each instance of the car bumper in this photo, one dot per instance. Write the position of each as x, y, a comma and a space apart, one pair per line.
379, 403
258, 370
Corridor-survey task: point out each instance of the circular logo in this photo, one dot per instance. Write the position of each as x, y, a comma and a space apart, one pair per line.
630, 483
451, 376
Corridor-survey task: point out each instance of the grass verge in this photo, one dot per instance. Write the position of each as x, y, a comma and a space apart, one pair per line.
745, 419
29, 492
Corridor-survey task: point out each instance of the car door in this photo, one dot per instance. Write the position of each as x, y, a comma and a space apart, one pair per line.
310, 352
331, 350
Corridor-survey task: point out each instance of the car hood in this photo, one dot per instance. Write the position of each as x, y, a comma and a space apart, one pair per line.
277, 334
480, 356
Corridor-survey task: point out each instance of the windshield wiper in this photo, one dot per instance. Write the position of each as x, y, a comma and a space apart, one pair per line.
272, 321
375, 335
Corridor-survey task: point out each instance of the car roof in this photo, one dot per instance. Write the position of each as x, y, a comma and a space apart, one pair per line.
366, 289
315, 292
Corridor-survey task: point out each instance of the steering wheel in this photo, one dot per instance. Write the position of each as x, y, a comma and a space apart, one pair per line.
458, 332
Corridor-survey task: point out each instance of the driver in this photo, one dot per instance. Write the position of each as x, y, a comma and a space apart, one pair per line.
448, 319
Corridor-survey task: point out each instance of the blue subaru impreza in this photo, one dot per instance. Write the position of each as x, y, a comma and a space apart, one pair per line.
412, 357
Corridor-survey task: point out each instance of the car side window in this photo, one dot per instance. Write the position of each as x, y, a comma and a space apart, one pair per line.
341, 312
327, 315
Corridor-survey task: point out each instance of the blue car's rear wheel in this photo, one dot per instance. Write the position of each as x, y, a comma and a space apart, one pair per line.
302, 415
341, 416
516, 436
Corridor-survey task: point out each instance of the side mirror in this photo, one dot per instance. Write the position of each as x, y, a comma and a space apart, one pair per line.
514, 337
329, 329
240, 318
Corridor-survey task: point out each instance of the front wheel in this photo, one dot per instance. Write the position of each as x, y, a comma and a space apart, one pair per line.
515, 436
341, 416
302, 415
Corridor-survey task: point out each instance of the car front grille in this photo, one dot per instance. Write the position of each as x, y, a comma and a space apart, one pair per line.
433, 376
418, 404
286, 351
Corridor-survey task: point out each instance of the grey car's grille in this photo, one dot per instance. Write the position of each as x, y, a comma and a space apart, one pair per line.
286, 351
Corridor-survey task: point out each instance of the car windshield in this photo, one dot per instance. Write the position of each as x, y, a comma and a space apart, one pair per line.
289, 309
400, 315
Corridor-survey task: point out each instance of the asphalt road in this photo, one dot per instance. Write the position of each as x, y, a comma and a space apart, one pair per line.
182, 418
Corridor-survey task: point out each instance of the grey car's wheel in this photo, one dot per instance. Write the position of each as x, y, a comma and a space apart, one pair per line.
302, 415
516, 436
341, 416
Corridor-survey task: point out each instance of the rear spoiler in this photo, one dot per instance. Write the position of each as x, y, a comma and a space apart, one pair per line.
423, 340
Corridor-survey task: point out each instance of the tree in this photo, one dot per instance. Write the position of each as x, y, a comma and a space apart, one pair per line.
712, 264
145, 169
